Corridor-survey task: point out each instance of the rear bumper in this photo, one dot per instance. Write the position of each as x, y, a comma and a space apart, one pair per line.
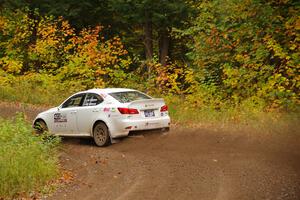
123, 126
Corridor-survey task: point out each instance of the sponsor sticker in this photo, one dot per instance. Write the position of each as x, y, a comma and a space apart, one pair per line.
58, 117
149, 105
106, 109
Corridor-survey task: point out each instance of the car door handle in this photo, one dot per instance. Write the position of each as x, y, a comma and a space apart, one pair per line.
95, 111
73, 112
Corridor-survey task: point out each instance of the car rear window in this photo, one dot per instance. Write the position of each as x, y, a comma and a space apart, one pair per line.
129, 96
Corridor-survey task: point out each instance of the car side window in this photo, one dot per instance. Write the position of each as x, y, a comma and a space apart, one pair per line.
74, 101
92, 100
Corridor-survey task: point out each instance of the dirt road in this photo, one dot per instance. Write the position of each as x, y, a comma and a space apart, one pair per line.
184, 164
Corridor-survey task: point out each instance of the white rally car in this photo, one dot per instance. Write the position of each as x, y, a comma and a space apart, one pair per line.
104, 114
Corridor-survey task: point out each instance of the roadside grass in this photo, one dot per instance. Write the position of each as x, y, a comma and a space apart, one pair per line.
27, 162
243, 117
32, 95
37, 90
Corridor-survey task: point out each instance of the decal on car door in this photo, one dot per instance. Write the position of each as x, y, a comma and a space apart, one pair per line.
106, 109
58, 117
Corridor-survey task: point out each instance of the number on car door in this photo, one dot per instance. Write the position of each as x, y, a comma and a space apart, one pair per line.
65, 119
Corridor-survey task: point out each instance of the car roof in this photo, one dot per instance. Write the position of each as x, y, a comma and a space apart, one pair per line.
109, 90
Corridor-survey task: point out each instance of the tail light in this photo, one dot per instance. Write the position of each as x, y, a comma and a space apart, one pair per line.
129, 111
164, 108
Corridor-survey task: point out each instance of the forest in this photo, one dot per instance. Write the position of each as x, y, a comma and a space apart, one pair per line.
202, 55
219, 64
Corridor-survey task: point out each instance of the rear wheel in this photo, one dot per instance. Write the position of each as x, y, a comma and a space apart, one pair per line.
101, 135
40, 127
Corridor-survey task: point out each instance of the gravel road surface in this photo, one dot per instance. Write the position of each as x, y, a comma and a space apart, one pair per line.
183, 164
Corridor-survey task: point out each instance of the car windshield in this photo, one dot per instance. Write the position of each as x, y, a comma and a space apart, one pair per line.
128, 96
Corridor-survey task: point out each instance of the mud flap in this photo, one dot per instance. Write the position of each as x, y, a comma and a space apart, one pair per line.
114, 140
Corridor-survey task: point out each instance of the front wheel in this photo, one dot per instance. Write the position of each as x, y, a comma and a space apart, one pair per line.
101, 135
40, 127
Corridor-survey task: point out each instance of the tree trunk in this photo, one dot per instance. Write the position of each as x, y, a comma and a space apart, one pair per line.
164, 43
32, 41
148, 36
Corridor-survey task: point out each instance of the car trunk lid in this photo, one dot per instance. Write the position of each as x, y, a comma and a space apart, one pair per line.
148, 108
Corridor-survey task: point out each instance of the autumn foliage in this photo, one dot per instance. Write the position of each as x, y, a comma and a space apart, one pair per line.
249, 50
238, 52
216, 62
34, 45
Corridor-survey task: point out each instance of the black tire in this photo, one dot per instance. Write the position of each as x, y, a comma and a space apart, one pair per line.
40, 127
101, 135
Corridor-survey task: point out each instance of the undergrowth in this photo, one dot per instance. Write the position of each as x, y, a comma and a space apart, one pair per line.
27, 161
246, 115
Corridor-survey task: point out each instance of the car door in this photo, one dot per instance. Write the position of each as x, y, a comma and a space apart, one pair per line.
65, 118
90, 110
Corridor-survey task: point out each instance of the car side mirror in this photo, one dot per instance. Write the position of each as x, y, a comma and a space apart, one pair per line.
58, 108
